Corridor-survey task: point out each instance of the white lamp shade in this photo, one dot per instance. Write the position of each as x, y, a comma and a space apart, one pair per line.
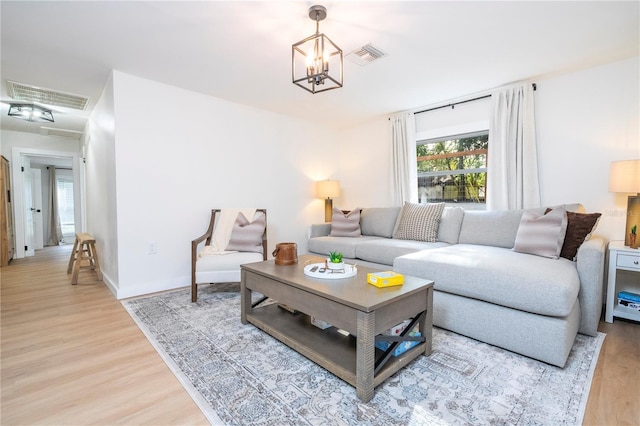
624, 176
328, 189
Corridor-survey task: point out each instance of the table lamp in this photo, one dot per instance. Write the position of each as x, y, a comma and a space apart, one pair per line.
328, 189
624, 176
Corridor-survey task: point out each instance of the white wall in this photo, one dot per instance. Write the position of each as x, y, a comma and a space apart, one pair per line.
463, 118
178, 154
584, 121
100, 177
365, 166
11, 139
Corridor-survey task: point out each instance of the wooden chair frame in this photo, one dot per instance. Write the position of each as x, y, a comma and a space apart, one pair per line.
207, 236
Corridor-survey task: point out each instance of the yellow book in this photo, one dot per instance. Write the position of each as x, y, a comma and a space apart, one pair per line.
385, 279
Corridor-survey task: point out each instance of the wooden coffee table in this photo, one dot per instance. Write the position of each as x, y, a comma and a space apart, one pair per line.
350, 304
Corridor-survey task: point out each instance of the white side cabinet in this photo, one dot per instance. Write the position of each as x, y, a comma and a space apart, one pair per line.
624, 275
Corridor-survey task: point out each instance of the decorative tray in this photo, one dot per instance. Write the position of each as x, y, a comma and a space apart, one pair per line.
321, 272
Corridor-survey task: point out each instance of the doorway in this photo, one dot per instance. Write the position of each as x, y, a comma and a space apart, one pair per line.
53, 202
60, 175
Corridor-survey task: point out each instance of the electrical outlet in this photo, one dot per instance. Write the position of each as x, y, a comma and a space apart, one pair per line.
153, 247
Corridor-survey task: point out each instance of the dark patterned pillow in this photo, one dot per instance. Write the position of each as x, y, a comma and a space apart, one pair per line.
580, 226
345, 225
247, 236
419, 222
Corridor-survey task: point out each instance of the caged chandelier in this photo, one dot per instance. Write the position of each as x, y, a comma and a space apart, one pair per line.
30, 112
316, 60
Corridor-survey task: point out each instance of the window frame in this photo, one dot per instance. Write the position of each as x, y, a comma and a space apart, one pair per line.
68, 228
466, 204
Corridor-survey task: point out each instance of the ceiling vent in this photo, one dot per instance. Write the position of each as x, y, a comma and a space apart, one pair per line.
365, 55
27, 93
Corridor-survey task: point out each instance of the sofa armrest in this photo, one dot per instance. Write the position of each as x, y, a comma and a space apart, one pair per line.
319, 230
590, 265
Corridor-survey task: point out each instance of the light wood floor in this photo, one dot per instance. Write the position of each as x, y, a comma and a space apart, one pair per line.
72, 355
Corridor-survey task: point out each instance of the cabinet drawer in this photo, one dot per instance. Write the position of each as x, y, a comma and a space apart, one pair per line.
628, 261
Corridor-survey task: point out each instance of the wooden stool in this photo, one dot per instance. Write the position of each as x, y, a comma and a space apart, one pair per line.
84, 248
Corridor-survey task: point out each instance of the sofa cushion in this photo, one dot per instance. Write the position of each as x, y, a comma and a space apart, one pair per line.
379, 221
345, 225
521, 281
490, 228
542, 234
346, 246
498, 228
419, 222
386, 250
450, 223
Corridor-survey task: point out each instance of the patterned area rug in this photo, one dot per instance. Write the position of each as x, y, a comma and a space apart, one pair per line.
239, 375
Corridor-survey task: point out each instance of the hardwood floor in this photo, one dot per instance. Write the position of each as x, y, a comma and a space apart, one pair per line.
615, 391
72, 355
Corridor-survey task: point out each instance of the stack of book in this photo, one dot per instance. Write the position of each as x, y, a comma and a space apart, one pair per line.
395, 331
629, 300
385, 279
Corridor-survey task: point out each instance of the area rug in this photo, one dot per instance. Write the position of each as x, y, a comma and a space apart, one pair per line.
239, 375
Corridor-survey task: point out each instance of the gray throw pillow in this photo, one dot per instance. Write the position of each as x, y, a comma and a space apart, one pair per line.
542, 234
247, 236
379, 221
450, 223
345, 225
419, 222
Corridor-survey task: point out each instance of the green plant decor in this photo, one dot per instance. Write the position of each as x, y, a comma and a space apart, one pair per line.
633, 229
335, 257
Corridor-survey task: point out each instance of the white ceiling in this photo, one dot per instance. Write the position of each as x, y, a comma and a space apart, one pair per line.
241, 51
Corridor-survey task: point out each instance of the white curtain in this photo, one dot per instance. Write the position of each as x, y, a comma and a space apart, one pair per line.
55, 230
512, 170
403, 146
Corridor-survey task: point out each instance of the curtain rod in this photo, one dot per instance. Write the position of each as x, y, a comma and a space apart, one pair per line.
453, 104
462, 102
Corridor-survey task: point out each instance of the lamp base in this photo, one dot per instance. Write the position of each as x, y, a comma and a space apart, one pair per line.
328, 210
633, 219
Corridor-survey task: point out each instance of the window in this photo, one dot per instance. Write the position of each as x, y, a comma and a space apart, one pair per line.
453, 169
65, 205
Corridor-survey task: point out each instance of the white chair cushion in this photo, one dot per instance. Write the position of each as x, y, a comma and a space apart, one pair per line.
223, 268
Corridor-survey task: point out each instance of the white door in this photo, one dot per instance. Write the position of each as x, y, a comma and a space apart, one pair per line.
28, 206
38, 220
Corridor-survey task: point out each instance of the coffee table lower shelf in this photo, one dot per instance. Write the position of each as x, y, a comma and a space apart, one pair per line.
328, 348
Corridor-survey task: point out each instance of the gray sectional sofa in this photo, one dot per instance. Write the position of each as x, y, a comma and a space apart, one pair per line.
484, 289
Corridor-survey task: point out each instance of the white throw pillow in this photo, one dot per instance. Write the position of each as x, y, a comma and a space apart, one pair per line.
345, 225
247, 236
542, 234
